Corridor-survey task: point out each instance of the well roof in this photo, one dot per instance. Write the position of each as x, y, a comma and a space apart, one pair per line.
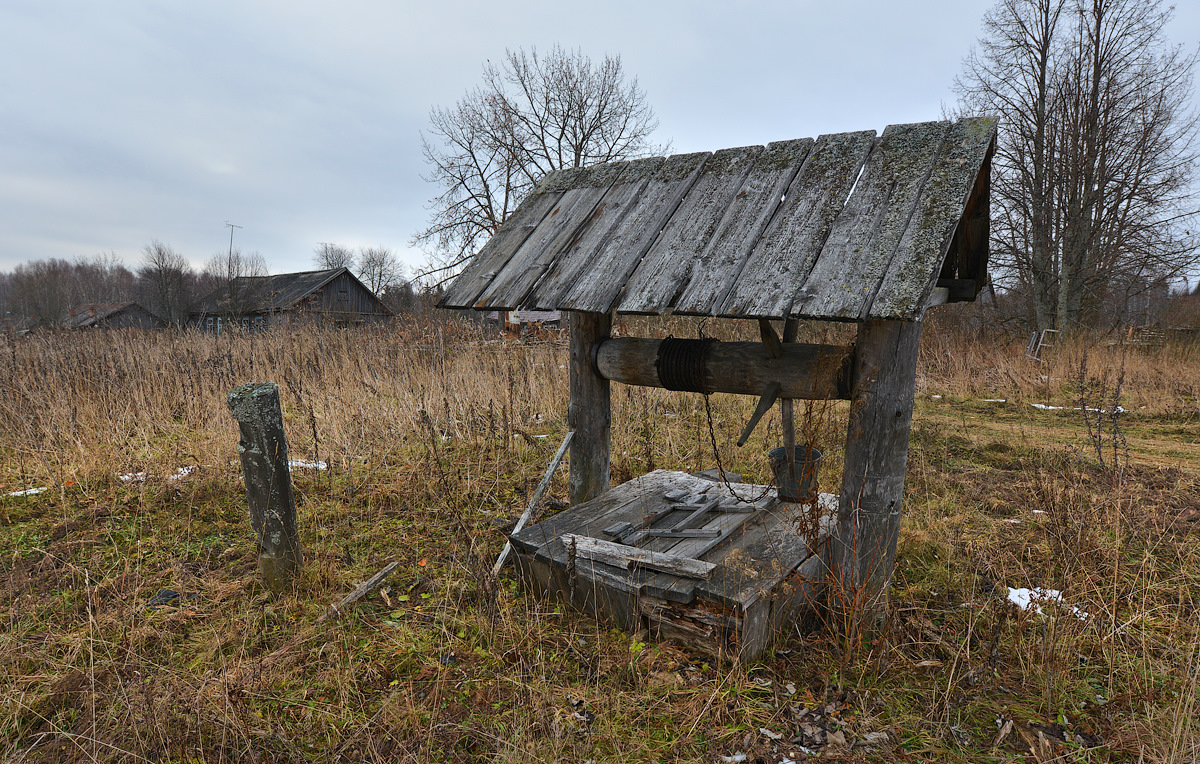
847, 227
278, 292
94, 313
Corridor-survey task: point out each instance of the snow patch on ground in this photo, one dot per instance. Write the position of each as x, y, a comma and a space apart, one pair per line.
1029, 599
304, 464
1044, 407
181, 473
28, 492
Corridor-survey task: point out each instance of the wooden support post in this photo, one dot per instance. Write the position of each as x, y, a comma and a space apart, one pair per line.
264, 453
589, 412
864, 547
787, 414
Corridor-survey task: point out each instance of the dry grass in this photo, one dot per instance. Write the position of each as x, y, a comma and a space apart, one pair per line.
434, 434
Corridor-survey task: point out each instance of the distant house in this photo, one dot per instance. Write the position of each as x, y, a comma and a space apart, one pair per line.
518, 321
115, 315
16, 325
257, 302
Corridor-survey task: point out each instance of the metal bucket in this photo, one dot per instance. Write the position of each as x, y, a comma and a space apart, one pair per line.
807, 460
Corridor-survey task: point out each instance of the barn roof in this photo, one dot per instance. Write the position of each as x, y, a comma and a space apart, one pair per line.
278, 292
847, 227
93, 314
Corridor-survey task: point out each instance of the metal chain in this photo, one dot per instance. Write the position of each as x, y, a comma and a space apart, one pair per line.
712, 436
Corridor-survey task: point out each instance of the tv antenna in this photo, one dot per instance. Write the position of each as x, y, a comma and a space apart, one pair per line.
231, 226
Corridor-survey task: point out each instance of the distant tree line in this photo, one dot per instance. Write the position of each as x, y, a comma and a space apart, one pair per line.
41, 293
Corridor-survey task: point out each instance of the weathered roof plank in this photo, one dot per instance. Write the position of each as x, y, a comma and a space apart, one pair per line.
848, 227
578, 255
509, 288
783, 256
597, 288
926, 241
752, 207
498, 250
856, 256
666, 267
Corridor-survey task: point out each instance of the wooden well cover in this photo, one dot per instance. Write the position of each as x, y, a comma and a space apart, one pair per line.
847, 227
684, 555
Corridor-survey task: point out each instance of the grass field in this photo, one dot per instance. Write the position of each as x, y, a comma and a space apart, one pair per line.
434, 435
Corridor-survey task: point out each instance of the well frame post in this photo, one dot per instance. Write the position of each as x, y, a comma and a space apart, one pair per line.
863, 549
589, 412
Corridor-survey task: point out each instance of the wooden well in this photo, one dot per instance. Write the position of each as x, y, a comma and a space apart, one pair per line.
848, 227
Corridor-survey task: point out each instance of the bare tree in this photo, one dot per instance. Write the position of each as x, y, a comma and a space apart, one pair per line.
236, 278
166, 282
102, 278
378, 268
328, 256
532, 114
41, 291
46, 290
1092, 184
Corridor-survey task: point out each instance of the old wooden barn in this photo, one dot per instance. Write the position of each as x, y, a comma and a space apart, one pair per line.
852, 227
115, 315
255, 303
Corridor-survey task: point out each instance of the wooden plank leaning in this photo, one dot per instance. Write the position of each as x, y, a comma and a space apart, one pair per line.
533, 500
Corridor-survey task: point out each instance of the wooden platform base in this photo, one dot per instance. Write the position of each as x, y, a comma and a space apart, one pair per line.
721, 571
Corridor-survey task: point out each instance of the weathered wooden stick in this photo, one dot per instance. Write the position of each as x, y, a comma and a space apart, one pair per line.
628, 557
815, 372
864, 548
770, 339
764, 405
533, 501
787, 417
264, 454
359, 592
589, 413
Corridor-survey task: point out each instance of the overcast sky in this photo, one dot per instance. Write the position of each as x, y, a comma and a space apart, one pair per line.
122, 121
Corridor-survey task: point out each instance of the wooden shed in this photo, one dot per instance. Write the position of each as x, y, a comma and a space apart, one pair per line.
116, 315
850, 227
255, 303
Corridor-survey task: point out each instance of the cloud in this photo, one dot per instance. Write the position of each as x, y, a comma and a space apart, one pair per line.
125, 121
